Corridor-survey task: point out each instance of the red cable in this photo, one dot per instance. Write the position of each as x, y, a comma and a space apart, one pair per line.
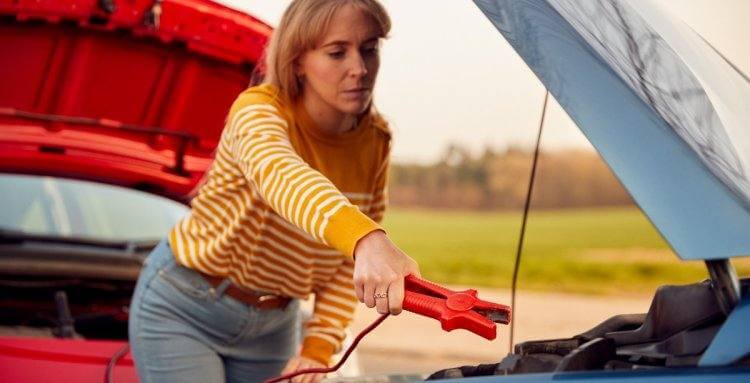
109, 372
341, 362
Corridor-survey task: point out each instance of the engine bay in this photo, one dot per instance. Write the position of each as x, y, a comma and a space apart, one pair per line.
675, 332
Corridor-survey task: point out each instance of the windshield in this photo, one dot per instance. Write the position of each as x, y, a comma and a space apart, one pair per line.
68, 208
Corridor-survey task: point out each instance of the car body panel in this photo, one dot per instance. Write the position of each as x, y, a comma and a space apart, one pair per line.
697, 212
39, 360
733, 340
688, 375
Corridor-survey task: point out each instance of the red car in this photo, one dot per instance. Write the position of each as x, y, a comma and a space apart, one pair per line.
109, 115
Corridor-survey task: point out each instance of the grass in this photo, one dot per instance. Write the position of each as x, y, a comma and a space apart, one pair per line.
595, 251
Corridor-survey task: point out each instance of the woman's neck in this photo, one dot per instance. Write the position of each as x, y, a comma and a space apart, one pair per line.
326, 118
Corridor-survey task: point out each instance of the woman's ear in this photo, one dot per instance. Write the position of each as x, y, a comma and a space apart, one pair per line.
297, 66
298, 73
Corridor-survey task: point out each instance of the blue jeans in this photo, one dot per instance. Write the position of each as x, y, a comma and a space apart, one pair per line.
181, 329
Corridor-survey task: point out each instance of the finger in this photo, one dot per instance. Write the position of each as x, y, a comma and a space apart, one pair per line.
359, 288
396, 296
312, 378
298, 378
303, 365
415, 270
369, 293
304, 378
382, 302
291, 366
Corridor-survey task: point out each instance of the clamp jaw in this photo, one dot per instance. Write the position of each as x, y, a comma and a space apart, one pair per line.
454, 309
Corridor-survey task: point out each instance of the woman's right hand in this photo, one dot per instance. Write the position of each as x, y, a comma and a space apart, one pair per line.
379, 269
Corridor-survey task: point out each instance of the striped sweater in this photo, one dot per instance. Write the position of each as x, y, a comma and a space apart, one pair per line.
283, 205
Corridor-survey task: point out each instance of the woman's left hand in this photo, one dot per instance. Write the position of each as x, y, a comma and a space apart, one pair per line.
301, 363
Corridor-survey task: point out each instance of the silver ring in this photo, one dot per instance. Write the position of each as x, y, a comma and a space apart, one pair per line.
381, 295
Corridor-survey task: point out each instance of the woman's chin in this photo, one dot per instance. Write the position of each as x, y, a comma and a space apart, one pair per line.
354, 107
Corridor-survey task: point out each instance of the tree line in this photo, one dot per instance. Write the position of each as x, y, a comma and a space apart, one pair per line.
498, 180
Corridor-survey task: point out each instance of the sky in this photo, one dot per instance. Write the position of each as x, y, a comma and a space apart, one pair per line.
447, 76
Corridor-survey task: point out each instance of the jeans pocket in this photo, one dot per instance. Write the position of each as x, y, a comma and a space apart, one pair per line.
186, 281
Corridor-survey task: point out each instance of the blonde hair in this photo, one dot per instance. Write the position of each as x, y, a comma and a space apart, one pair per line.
302, 26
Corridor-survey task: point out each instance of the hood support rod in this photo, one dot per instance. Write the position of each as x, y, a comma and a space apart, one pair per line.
526, 206
184, 139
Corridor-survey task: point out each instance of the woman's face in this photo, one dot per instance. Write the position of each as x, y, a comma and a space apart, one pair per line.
338, 75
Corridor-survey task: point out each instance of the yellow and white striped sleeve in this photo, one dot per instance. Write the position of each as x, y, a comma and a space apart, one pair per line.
259, 142
335, 304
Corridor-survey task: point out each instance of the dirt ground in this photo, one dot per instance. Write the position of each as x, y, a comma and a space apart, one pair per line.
411, 343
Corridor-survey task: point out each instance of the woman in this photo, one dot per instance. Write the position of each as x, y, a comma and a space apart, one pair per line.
288, 208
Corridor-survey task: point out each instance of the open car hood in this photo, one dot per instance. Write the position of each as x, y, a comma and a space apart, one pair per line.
134, 94
668, 114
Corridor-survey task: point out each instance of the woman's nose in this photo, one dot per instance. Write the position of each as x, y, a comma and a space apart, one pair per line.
357, 65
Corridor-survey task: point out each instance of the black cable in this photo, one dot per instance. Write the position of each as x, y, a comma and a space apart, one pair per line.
526, 206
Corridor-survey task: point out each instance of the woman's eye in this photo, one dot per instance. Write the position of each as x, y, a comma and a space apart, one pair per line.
370, 50
336, 54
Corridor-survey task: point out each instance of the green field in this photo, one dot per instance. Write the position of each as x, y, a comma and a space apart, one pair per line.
597, 251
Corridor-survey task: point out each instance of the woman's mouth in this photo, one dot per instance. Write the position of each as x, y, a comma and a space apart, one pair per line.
357, 92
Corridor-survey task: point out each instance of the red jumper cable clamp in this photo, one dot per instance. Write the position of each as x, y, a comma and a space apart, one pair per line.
454, 309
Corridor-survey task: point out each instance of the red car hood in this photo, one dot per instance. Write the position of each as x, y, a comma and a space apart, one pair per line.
134, 96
